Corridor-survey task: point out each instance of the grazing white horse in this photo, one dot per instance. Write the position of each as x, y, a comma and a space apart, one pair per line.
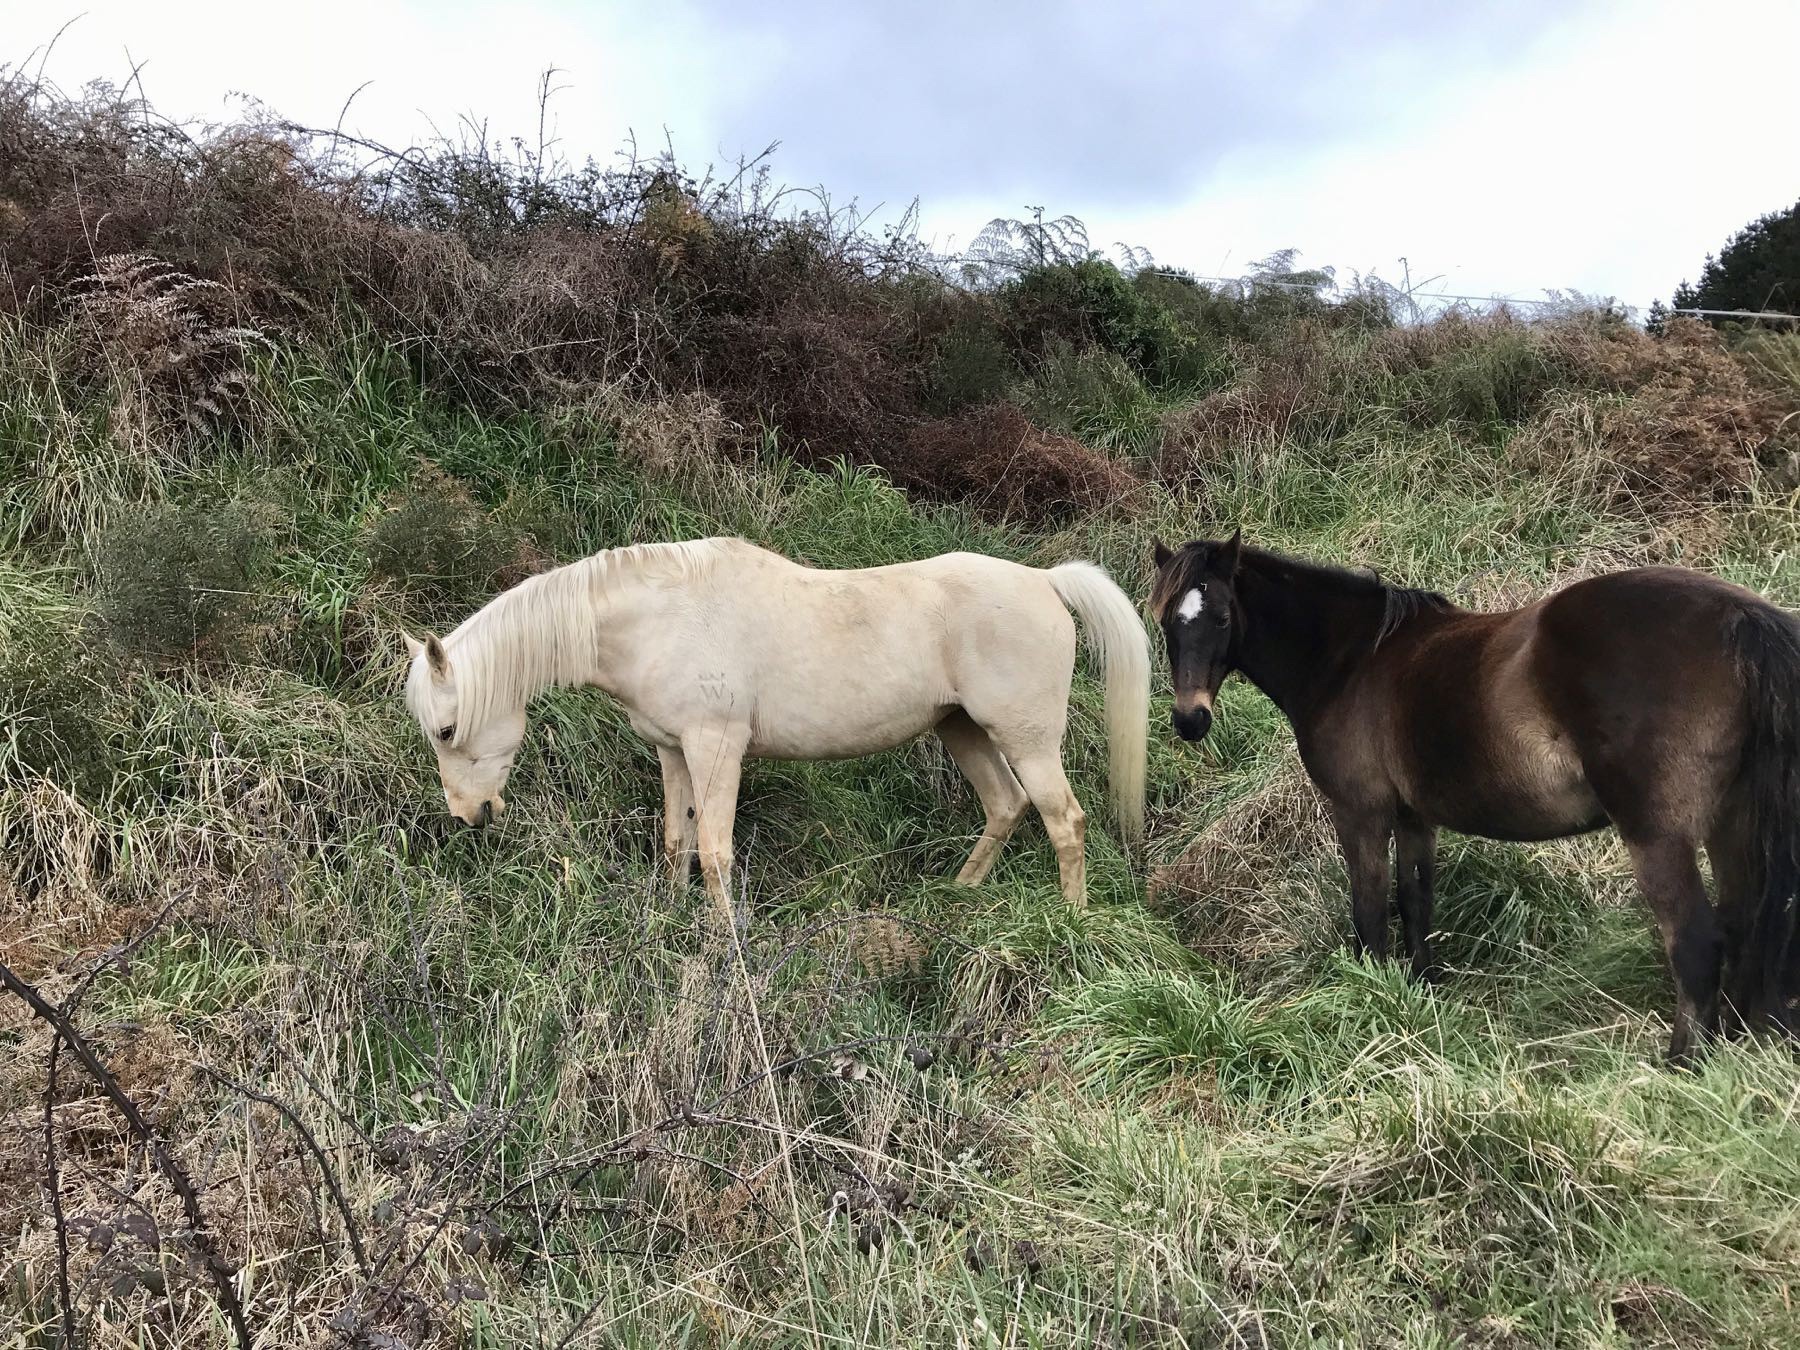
719, 649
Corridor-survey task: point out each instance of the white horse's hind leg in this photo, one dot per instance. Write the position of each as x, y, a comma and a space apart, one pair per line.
994, 782
680, 832
1041, 773
715, 762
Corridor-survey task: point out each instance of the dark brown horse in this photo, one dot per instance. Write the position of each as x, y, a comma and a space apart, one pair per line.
1662, 701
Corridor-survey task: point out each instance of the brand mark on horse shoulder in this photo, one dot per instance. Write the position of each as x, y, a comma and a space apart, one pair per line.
714, 685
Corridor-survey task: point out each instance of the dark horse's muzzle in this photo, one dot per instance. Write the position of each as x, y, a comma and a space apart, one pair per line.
1192, 724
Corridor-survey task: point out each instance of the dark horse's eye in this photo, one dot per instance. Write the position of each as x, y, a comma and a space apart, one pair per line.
445, 734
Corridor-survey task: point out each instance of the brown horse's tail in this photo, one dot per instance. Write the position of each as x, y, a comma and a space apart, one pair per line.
1766, 644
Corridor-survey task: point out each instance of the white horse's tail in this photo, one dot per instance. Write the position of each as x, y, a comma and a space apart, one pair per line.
1116, 633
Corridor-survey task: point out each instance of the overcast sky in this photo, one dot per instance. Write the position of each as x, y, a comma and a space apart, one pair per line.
1601, 145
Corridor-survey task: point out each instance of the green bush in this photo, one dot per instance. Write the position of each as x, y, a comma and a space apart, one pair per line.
970, 366
52, 695
1092, 394
445, 550
184, 582
1500, 380
1091, 301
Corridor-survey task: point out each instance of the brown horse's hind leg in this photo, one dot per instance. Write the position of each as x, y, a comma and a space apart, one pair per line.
994, 782
1669, 877
1415, 858
1364, 839
1743, 1006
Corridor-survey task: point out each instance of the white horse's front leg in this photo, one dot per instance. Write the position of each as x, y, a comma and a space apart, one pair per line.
715, 762
680, 832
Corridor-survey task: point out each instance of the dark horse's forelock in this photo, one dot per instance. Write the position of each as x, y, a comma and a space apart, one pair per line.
1182, 573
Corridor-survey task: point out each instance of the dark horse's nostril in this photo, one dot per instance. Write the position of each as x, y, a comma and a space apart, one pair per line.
1192, 724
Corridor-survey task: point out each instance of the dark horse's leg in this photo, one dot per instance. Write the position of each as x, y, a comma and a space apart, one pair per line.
1415, 858
1364, 839
1734, 876
1659, 819
1670, 880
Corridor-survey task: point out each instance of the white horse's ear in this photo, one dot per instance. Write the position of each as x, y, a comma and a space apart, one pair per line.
436, 657
413, 645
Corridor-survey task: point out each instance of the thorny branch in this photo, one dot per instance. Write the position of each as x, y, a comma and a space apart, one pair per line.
116, 956
224, 1287
312, 1145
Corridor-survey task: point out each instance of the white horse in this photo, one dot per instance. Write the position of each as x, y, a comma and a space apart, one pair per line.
719, 649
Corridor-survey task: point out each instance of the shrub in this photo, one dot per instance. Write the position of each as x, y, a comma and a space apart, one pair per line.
995, 458
1092, 302
170, 343
1092, 394
183, 582
51, 704
1306, 388
969, 366
1773, 361
1672, 421
444, 549
1502, 379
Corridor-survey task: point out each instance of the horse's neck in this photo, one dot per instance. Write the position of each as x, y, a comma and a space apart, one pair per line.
1301, 637
570, 628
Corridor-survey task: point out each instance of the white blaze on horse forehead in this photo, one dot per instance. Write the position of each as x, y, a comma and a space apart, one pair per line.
1191, 604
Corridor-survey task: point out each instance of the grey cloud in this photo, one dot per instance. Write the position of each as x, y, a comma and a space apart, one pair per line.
1076, 105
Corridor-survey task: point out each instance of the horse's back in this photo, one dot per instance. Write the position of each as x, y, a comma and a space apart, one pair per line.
1641, 637
1552, 718
829, 662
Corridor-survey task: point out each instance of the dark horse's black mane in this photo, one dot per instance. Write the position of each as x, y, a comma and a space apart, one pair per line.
1400, 604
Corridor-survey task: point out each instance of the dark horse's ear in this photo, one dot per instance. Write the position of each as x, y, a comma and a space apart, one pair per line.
1227, 557
1161, 553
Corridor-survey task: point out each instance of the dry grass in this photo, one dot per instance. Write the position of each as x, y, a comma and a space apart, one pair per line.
1221, 892
997, 459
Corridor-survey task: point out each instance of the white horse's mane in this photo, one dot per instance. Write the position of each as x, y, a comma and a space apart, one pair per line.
539, 633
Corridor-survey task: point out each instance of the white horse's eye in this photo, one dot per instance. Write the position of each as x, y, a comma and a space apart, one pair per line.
446, 734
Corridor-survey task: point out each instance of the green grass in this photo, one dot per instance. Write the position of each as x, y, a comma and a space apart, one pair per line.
1145, 1123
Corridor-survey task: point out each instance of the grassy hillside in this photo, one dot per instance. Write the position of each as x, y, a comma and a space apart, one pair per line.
262, 406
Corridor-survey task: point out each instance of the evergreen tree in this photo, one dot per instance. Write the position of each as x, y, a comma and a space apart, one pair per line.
1758, 269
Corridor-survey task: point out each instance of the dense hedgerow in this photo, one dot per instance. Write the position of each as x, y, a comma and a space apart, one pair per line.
511, 281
